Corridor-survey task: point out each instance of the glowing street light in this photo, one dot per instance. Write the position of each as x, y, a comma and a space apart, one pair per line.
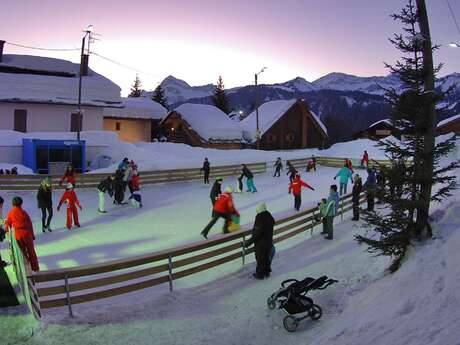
257, 108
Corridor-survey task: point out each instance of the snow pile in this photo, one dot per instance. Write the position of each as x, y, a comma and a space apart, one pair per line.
138, 108
269, 113
318, 121
210, 122
96, 89
22, 170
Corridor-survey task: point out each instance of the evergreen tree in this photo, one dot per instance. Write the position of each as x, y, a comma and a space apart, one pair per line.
219, 97
397, 224
136, 90
159, 96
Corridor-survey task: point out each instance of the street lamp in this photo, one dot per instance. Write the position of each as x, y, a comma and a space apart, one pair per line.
87, 32
257, 108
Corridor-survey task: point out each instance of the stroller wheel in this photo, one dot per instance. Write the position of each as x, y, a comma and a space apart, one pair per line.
316, 312
271, 303
290, 323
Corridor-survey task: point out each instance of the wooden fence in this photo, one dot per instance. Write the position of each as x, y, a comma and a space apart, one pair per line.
67, 287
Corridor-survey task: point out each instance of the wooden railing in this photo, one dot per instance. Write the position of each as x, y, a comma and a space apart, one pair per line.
70, 286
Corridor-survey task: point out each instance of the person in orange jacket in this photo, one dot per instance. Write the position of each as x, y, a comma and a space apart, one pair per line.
70, 197
296, 188
223, 208
349, 165
23, 232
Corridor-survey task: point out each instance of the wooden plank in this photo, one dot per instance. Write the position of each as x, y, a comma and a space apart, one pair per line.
95, 283
290, 234
292, 225
207, 255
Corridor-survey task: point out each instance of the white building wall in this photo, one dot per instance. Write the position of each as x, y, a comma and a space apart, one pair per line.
50, 117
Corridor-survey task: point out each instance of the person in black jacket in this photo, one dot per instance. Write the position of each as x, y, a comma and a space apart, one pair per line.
278, 166
292, 172
118, 187
206, 169
262, 237
45, 203
105, 186
356, 192
216, 190
249, 178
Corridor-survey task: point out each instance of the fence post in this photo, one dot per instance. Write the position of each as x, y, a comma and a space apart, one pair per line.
67, 293
170, 273
243, 250
341, 209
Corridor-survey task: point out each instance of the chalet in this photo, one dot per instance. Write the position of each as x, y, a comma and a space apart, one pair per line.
39, 94
452, 124
285, 125
202, 125
379, 130
136, 121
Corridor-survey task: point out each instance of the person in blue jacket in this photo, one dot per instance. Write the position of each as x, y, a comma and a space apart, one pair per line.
344, 175
370, 187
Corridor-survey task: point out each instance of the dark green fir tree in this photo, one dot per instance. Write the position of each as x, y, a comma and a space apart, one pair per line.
136, 90
158, 96
219, 98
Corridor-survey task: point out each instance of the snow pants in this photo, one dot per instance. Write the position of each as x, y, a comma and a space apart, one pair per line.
250, 185
356, 210
72, 213
277, 172
343, 188
26, 244
215, 218
101, 201
46, 222
240, 184
328, 226
370, 196
297, 201
206, 177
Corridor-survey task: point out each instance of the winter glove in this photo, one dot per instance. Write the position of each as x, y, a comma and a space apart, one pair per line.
79, 206
312, 188
335, 177
289, 192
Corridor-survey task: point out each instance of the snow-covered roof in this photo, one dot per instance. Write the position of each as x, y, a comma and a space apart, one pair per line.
449, 120
269, 114
386, 121
210, 122
138, 108
37, 79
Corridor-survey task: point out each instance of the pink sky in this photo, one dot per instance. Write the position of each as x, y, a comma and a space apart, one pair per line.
196, 40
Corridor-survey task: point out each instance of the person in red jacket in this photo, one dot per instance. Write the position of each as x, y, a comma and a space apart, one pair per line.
365, 159
69, 176
349, 165
296, 188
23, 232
223, 208
70, 197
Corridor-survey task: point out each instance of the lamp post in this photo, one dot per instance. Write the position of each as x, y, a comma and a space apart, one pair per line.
257, 108
83, 60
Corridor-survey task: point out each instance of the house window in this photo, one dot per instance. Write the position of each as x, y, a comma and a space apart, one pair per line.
290, 137
20, 120
118, 126
271, 138
75, 122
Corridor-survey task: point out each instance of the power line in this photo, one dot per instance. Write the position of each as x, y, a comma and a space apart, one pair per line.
123, 65
41, 48
453, 16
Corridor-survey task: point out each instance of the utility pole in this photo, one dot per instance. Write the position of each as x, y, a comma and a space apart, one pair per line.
429, 113
257, 108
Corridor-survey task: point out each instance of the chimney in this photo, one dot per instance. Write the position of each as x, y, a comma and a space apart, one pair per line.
84, 65
2, 44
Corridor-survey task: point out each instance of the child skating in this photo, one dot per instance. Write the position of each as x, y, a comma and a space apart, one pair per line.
70, 197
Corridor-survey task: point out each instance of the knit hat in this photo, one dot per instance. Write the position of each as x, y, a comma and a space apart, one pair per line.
261, 208
17, 201
219, 179
69, 186
228, 189
46, 182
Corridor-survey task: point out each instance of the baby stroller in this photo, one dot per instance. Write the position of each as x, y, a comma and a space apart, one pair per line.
291, 297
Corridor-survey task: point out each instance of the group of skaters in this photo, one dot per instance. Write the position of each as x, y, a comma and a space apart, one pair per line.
115, 185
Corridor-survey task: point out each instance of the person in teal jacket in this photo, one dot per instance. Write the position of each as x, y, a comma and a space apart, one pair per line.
344, 175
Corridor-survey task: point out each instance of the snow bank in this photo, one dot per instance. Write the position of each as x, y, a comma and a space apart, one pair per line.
22, 170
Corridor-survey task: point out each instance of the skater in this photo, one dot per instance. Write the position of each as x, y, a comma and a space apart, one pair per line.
124, 168
249, 179
291, 171
45, 203
216, 190
105, 186
356, 193
136, 200
3, 264
369, 186
118, 188
349, 165
381, 184
311, 166
313, 159
239, 186
206, 168
278, 167
262, 238
223, 208
345, 175
365, 159
296, 188
23, 232
69, 176
70, 197
327, 208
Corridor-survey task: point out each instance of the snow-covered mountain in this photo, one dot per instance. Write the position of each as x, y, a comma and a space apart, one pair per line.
296, 85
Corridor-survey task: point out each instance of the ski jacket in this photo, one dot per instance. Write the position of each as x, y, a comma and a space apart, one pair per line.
365, 157
215, 191
334, 196
19, 220
357, 189
349, 165
44, 197
247, 173
344, 174
278, 164
371, 180
296, 186
328, 209
123, 166
224, 204
136, 182
206, 167
69, 177
106, 186
70, 197
262, 233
